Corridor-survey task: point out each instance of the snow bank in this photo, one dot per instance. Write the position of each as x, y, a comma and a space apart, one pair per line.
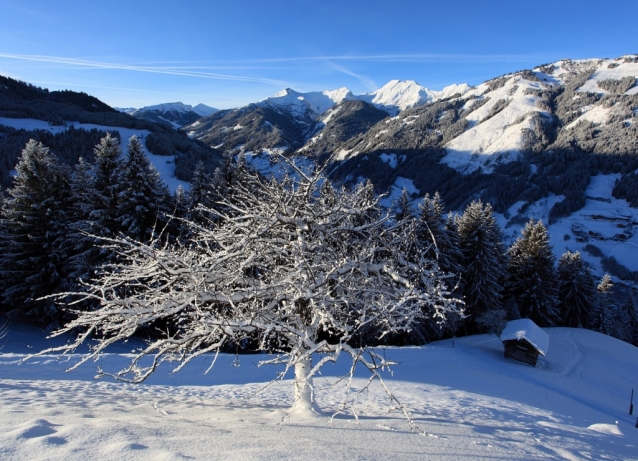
471, 402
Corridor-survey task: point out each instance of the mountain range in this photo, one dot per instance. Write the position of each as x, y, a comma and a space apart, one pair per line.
173, 114
557, 142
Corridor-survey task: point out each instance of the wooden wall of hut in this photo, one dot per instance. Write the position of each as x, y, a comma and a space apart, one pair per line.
521, 350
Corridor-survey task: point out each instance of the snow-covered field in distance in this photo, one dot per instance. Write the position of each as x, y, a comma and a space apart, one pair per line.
470, 401
605, 222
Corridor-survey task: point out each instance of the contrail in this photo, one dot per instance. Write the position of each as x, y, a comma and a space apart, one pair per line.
432, 57
133, 68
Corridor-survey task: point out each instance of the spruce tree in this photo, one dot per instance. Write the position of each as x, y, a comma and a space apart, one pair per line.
576, 291
532, 276
201, 194
437, 235
602, 316
143, 199
95, 207
484, 260
327, 194
404, 211
33, 228
106, 186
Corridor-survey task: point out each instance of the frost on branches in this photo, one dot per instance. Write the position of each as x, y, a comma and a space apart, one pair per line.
301, 266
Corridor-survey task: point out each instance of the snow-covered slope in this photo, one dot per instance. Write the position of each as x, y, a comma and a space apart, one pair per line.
602, 69
470, 402
605, 223
496, 129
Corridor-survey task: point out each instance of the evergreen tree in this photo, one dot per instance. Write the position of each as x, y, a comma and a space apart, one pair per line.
404, 210
327, 194
483, 260
180, 199
437, 235
106, 184
603, 313
438, 240
532, 277
201, 193
228, 175
143, 198
626, 322
33, 228
95, 207
576, 291
80, 246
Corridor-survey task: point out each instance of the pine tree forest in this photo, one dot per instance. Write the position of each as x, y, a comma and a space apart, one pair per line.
63, 227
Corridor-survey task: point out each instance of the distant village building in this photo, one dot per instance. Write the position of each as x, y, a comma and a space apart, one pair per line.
524, 341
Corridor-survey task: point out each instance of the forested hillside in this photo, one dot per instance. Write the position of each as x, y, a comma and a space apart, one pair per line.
62, 109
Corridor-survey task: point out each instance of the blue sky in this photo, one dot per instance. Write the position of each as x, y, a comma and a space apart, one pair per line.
226, 54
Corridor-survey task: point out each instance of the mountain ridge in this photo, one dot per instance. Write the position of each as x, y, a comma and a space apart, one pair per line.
532, 142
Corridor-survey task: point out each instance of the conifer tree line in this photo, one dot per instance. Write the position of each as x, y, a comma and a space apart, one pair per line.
60, 225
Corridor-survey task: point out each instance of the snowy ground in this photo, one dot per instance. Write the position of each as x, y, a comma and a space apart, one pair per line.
470, 401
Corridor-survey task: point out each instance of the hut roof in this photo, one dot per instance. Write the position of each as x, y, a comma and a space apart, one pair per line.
528, 330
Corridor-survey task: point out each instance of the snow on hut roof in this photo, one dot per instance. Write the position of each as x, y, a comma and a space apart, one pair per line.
526, 329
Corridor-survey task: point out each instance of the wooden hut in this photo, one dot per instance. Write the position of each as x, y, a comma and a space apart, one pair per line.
524, 341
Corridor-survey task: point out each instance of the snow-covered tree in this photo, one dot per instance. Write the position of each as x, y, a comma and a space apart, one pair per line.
576, 291
604, 310
285, 266
33, 230
437, 238
143, 198
438, 235
106, 186
532, 276
404, 210
94, 190
483, 259
201, 192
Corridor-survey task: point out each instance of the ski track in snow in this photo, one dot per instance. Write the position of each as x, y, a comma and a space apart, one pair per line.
469, 401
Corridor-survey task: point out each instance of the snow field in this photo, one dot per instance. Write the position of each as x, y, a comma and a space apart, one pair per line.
397, 189
470, 402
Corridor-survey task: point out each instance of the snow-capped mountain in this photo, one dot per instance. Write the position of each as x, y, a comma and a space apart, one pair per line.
396, 95
310, 104
289, 119
538, 143
203, 110
174, 114
392, 98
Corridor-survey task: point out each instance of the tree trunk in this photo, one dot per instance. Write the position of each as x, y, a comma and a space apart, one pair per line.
303, 385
